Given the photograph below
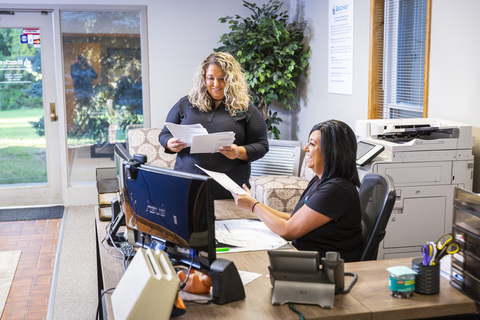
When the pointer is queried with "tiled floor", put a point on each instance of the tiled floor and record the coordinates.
(30, 291)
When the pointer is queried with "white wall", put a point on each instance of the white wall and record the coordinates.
(455, 61)
(455, 67)
(454, 89)
(319, 105)
(182, 32)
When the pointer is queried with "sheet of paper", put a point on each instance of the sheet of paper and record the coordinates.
(212, 142)
(224, 181)
(246, 235)
(185, 132)
(248, 277)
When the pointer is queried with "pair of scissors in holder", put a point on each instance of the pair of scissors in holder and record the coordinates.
(445, 245)
(428, 254)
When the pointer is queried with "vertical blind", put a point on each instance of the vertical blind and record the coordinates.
(402, 59)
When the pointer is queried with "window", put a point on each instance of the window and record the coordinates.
(399, 53)
(103, 65)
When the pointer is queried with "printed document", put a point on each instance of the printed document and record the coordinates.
(246, 235)
(224, 181)
(198, 139)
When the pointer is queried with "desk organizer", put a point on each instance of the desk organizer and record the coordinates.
(107, 188)
(427, 280)
(465, 271)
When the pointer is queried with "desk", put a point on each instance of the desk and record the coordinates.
(369, 298)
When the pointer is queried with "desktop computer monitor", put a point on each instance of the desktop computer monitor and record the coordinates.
(168, 210)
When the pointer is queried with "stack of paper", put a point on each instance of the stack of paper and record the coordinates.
(198, 139)
(246, 235)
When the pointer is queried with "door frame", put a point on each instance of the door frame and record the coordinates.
(86, 193)
(49, 193)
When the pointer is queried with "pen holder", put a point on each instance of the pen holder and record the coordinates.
(427, 280)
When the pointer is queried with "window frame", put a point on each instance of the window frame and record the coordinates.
(375, 107)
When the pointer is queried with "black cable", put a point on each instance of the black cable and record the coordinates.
(100, 302)
(299, 314)
(188, 275)
(350, 286)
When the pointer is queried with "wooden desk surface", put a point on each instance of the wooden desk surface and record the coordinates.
(372, 291)
(369, 298)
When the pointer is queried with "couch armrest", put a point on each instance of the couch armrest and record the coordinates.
(278, 192)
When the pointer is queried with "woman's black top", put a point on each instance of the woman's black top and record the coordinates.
(250, 132)
(338, 199)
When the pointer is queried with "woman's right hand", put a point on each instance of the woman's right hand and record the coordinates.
(175, 145)
(244, 201)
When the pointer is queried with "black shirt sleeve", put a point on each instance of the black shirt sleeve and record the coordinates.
(256, 142)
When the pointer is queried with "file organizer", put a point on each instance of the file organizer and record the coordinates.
(148, 289)
(465, 271)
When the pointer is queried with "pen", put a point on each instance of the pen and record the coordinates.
(222, 249)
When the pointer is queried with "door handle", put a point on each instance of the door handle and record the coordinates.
(53, 113)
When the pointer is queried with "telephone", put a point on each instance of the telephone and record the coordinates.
(296, 276)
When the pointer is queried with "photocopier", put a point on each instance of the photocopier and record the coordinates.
(426, 158)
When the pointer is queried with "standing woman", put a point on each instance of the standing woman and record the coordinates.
(327, 217)
(219, 101)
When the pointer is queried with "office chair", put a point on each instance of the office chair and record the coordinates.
(377, 197)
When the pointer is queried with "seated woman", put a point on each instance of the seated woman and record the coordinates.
(327, 216)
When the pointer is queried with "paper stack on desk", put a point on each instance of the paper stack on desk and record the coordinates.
(246, 235)
(198, 139)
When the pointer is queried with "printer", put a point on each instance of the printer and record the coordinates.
(427, 159)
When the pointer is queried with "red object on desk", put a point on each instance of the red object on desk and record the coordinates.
(195, 284)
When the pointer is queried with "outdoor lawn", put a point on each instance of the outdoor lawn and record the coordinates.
(22, 150)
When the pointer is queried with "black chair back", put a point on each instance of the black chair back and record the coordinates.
(377, 197)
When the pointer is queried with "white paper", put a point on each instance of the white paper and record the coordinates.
(246, 235)
(212, 142)
(185, 132)
(198, 139)
(224, 181)
(248, 277)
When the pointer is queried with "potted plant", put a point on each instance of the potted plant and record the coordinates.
(273, 54)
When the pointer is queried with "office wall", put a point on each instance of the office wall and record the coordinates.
(318, 104)
(455, 67)
(182, 32)
(454, 90)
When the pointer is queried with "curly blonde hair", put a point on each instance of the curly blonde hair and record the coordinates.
(236, 87)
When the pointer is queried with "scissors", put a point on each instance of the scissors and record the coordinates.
(445, 245)
(428, 254)
(444, 240)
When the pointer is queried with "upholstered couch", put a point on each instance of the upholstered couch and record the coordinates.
(281, 192)
(145, 141)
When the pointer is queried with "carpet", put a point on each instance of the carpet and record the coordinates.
(31, 213)
(8, 265)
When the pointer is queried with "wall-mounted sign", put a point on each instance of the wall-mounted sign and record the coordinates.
(340, 46)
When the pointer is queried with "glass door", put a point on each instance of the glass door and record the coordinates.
(29, 153)
(104, 95)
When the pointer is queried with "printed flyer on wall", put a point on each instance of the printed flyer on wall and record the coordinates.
(340, 46)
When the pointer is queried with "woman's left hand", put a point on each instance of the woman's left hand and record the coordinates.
(231, 152)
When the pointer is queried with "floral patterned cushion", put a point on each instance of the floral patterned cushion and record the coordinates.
(281, 192)
(145, 141)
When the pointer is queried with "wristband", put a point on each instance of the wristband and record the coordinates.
(255, 205)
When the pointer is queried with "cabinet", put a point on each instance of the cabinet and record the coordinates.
(465, 271)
